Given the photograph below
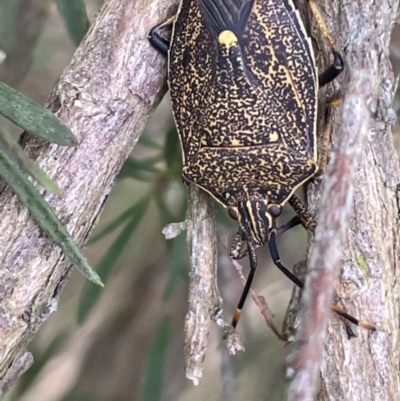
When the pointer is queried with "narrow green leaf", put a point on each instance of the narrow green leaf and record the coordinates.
(172, 152)
(148, 142)
(134, 168)
(78, 397)
(33, 117)
(91, 293)
(184, 204)
(27, 165)
(75, 17)
(180, 206)
(153, 380)
(9, 24)
(44, 215)
(165, 214)
(121, 219)
(177, 263)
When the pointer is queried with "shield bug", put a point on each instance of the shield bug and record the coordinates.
(244, 87)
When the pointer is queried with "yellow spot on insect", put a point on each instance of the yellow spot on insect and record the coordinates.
(274, 137)
(227, 38)
(236, 142)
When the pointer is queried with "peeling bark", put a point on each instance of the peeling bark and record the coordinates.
(358, 225)
(106, 94)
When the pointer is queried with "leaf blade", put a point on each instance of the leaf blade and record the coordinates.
(153, 380)
(33, 117)
(44, 215)
(91, 293)
(76, 20)
(27, 165)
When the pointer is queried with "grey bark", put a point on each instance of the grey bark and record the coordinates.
(358, 225)
(106, 94)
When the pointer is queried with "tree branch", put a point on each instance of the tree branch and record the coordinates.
(357, 234)
(106, 94)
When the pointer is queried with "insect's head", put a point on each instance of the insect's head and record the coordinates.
(256, 218)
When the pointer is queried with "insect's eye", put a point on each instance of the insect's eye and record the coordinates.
(233, 214)
(275, 211)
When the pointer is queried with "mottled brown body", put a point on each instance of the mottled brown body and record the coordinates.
(244, 88)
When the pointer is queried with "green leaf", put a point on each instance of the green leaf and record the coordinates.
(75, 17)
(133, 168)
(91, 293)
(121, 219)
(33, 117)
(27, 165)
(177, 263)
(165, 214)
(184, 204)
(44, 215)
(172, 151)
(148, 142)
(78, 397)
(153, 380)
(180, 205)
(9, 24)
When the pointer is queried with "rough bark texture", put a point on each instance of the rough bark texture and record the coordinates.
(105, 96)
(357, 231)
(204, 298)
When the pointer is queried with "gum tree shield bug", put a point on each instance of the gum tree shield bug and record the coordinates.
(244, 87)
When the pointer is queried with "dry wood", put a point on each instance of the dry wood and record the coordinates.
(105, 95)
(357, 231)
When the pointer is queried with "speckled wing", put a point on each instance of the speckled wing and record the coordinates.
(245, 173)
(190, 65)
(282, 65)
(242, 76)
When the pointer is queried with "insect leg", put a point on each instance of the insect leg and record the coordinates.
(305, 217)
(237, 250)
(336, 308)
(295, 221)
(157, 41)
(277, 261)
(332, 71)
(253, 267)
(337, 66)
